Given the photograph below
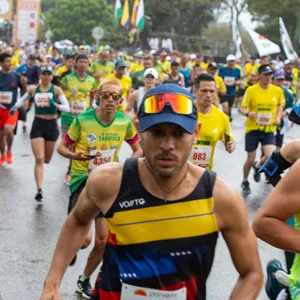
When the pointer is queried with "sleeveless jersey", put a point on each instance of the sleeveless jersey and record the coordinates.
(42, 101)
(158, 246)
(176, 81)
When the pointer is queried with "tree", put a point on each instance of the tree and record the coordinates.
(269, 11)
(75, 20)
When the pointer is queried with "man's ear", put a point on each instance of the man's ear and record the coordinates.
(121, 101)
(196, 133)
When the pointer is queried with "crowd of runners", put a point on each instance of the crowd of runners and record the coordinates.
(157, 216)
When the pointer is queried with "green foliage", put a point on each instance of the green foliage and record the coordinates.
(269, 12)
(75, 20)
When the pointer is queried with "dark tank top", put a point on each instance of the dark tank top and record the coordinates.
(153, 244)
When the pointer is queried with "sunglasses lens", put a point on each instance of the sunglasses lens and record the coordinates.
(106, 95)
(180, 104)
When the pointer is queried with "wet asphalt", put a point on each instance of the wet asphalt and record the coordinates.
(28, 231)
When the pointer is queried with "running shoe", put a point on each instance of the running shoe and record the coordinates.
(67, 179)
(2, 160)
(246, 187)
(9, 158)
(39, 195)
(273, 287)
(256, 175)
(84, 288)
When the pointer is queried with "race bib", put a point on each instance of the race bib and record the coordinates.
(131, 292)
(6, 97)
(105, 156)
(228, 80)
(264, 119)
(42, 100)
(77, 107)
(200, 156)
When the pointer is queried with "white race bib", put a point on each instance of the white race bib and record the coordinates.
(229, 80)
(42, 100)
(106, 156)
(200, 156)
(264, 119)
(131, 292)
(6, 97)
(77, 107)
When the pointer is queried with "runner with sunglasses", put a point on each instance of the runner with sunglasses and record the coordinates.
(262, 105)
(98, 135)
(164, 215)
(48, 99)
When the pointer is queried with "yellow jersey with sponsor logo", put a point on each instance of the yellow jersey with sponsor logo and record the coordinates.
(265, 104)
(213, 128)
(97, 139)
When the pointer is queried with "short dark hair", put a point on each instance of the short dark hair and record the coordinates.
(69, 56)
(175, 64)
(203, 77)
(81, 56)
(3, 56)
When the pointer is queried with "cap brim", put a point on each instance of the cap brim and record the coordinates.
(147, 121)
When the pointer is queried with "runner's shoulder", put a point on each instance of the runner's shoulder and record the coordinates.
(104, 183)
(122, 117)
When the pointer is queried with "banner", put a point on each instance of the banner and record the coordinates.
(6, 7)
(140, 18)
(286, 42)
(118, 11)
(236, 38)
(125, 16)
(263, 45)
(27, 20)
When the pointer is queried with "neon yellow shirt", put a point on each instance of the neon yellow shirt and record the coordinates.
(265, 104)
(60, 70)
(125, 82)
(136, 67)
(94, 138)
(98, 67)
(166, 65)
(78, 94)
(213, 127)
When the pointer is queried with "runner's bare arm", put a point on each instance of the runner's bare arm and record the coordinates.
(283, 203)
(233, 222)
(132, 101)
(137, 150)
(291, 151)
(97, 195)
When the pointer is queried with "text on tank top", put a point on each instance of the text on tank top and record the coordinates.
(156, 244)
(42, 101)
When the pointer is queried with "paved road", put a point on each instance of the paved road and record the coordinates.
(28, 232)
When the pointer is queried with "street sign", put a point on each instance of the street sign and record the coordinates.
(98, 33)
(48, 34)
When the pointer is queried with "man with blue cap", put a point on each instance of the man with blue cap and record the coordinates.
(164, 215)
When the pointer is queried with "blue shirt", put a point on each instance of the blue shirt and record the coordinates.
(9, 84)
(187, 75)
(30, 72)
(230, 76)
(289, 98)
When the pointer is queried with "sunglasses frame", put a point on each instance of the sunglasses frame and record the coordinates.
(110, 95)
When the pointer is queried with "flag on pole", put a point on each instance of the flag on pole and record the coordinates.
(140, 18)
(118, 11)
(125, 16)
(286, 42)
(236, 38)
(134, 12)
(263, 45)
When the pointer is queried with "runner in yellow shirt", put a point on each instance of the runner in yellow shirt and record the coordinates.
(249, 69)
(138, 64)
(221, 87)
(119, 75)
(103, 67)
(215, 125)
(262, 105)
(164, 62)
